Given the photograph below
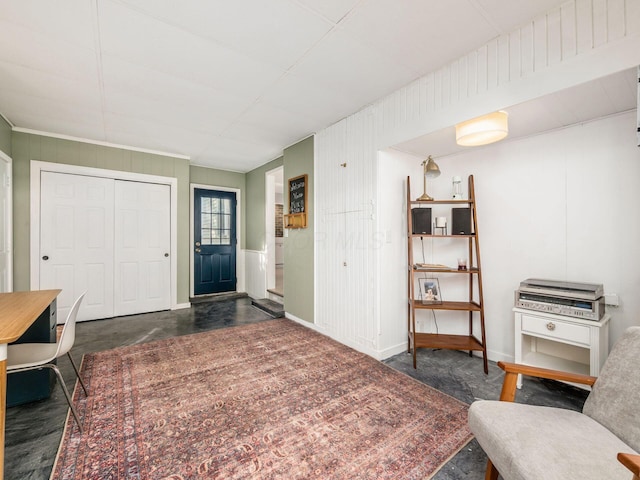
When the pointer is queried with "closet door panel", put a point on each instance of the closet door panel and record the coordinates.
(142, 246)
(76, 242)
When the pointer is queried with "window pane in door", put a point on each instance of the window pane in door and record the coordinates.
(215, 221)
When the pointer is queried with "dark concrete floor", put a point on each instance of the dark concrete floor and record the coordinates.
(33, 431)
(462, 377)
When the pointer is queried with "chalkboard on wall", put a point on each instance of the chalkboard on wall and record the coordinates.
(298, 194)
(297, 216)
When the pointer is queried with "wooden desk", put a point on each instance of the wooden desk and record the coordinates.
(18, 311)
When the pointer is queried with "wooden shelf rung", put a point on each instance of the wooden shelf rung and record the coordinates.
(458, 306)
(450, 342)
(441, 202)
(443, 270)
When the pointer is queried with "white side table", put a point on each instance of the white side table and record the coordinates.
(559, 342)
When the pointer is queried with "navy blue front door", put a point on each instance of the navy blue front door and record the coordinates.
(214, 249)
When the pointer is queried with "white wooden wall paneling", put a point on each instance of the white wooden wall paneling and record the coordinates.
(256, 274)
(575, 28)
(346, 232)
(345, 301)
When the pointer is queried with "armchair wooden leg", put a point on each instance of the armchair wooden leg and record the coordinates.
(492, 472)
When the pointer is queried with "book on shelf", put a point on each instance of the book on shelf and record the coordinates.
(432, 266)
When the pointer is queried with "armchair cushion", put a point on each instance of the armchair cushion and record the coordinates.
(614, 400)
(533, 442)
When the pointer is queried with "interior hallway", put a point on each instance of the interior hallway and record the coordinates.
(33, 431)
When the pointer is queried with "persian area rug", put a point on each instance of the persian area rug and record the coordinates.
(272, 400)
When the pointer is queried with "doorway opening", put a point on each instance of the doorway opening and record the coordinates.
(274, 234)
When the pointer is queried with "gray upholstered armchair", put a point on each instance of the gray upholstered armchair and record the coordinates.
(533, 442)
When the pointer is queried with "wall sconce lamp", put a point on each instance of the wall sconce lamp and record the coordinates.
(483, 130)
(431, 170)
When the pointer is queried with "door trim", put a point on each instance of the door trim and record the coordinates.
(9, 219)
(37, 167)
(240, 286)
(269, 221)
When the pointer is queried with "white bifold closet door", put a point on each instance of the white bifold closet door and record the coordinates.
(142, 234)
(108, 237)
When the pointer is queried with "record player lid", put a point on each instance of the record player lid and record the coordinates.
(561, 285)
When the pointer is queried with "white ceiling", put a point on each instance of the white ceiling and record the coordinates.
(229, 83)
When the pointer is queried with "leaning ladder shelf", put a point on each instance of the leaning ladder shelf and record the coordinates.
(473, 304)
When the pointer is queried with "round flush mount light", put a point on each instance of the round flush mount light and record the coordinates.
(483, 130)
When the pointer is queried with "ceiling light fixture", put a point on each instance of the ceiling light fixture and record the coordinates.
(483, 130)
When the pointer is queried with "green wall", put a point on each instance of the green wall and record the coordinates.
(256, 208)
(224, 178)
(298, 243)
(26, 147)
(5, 136)
(297, 160)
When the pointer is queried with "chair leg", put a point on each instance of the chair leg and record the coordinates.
(491, 473)
(66, 394)
(86, 392)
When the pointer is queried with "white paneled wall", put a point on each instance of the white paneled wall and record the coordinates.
(559, 44)
(346, 237)
(255, 265)
(580, 41)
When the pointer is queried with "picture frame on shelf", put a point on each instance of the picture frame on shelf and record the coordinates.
(430, 291)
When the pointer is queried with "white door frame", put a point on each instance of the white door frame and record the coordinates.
(8, 219)
(240, 285)
(37, 167)
(270, 223)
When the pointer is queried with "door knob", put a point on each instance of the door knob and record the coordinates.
(46, 257)
(197, 244)
(197, 250)
(166, 254)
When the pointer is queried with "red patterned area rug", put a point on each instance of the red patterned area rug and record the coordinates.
(272, 400)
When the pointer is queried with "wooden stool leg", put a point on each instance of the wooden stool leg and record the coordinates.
(491, 473)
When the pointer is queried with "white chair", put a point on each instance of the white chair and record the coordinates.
(36, 356)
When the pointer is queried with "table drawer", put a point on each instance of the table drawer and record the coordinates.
(569, 332)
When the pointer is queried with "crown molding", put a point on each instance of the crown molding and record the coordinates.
(98, 142)
(7, 120)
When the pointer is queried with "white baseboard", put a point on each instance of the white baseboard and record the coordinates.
(180, 306)
(310, 325)
(360, 348)
(391, 351)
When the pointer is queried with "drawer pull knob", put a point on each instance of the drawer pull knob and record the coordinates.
(551, 326)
